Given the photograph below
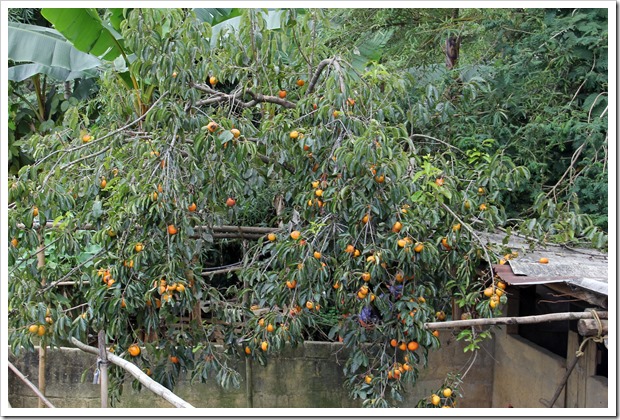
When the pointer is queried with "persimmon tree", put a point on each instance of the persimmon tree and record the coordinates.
(256, 142)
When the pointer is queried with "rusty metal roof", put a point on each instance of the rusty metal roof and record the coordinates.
(580, 268)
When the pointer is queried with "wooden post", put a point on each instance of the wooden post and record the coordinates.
(102, 363)
(30, 385)
(137, 373)
(42, 344)
(249, 386)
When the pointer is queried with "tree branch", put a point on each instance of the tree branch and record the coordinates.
(257, 98)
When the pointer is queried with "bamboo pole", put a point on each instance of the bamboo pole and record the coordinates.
(103, 368)
(249, 385)
(135, 371)
(30, 385)
(534, 319)
(42, 347)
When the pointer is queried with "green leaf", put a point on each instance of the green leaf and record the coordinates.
(85, 30)
(48, 52)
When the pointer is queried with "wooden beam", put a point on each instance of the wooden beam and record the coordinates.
(30, 385)
(534, 319)
(589, 327)
(149, 383)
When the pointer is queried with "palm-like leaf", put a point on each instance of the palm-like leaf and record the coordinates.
(47, 52)
(85, 30)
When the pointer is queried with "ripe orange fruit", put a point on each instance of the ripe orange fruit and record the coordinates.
(35, 211)
(482, 207)
(212, 126)
(154, 196)
(380, 179)
(350, 101)
(14, 242)
(418, 247)
(317, 254)
(368, 379)
(270, 328)
(402, 346)
(349, 249)
(103, 182)
(192, 207)
(123, 303)
(436, 333)
(172, 230)
(399, 276)
(261, 322)
(336, 285)
(236, 133)
(456, 228)
(366, 276)
(230, 202)
(441, 315)
(213, 80)
(294, 134)
(86, 138)
(445, 244)
(397, 227)
(264, 345)
(447, 392)
(174, 74)
(41, 331)
(300, 83)
(365, 218)
(139, 247)
(493, 304)
(111, 282)
(271, 237)
(336, 114)
(295, 235)
(435, 399)
(282, 94)
(393, 342)
(543, 260)
(357, 253)
(412, 346)
(291, 284)
(318, 193)
(248, 350)
(309, 305)
(134, 350)
(501, 284)
(33, 329)
(488, 292)
(439, 182)
(361, 295)
(480, 191)
(174, 359)
(402, 243)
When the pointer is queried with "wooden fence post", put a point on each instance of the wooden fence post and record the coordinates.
(102, 365)
(42, 344)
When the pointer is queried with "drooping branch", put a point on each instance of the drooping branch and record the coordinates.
(319, 69)
(134, 370)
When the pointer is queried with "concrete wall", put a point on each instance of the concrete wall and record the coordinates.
(308, 376)
(524, 372)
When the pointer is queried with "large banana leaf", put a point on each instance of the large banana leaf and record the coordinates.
(85, 30)
(47, 51)
(24, 71)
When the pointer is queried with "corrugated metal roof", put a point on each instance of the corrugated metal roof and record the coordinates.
(582, 268)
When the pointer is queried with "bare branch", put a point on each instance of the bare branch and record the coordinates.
(30, 385)
(319, 69)
(257, 98)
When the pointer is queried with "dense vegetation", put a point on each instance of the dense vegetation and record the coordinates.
(363, 171)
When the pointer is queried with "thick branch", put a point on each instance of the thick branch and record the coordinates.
(511, 320)
(225, 97)
(149, 383)
(319, 69)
